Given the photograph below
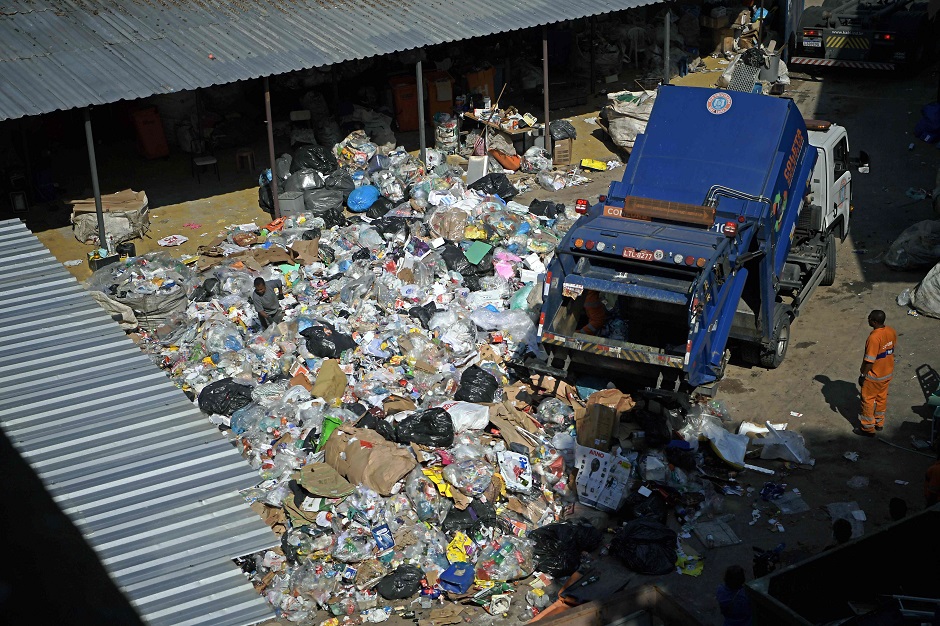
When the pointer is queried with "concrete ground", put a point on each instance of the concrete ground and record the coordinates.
(818, 377)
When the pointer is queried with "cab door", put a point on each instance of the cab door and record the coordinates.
(840, 192)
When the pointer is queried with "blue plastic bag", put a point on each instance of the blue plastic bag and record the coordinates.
(362, 198)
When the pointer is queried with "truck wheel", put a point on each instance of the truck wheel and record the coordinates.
(829, 274)
(771, 357)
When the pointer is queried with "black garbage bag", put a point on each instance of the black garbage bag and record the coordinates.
(282, 166)
(652, 507)
(457, 261)
(402, 583)
(431, 427)
(477, 385)
(207, 290)
(646, 547)
(478, 514)
(311, 234)
(323, 341)
(381, 426)
(322, 201)
(423, 313)
(546, 208)
(362, 254)
(340, 180)
(379, 208)
(495, 184)
(334, 217)
(302, 180)
(315, 158)
(224, 397)
(558, 547)
(562, 129)
(393, 228)
(266, 198)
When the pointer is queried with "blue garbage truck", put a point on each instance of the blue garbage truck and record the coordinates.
(726, 220)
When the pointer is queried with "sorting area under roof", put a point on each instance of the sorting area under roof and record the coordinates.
(61, 54)
(148, 481)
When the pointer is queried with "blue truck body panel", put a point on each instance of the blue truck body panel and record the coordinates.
(756, 149)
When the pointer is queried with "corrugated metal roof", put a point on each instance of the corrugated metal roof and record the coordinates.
(60, 54)
(150, 484)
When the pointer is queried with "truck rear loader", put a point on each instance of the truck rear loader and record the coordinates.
(725, 222)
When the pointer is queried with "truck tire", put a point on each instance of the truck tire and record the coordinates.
(771, 357)
(829, 274)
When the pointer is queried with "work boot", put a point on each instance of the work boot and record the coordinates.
(864, 433)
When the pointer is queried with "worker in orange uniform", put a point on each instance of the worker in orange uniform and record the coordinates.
(877, 370)
(596, 313)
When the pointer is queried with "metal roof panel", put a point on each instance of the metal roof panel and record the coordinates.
(148, 481)
(59, 54)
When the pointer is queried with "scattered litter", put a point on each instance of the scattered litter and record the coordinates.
(793, 414)
(915, 193)
(172, 240)
(847, 511)
(901, 482)
(715, 534)
(791, 503)
(73, 263)
(192, 225)
(851, 456)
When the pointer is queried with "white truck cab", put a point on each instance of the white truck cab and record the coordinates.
(831, 185)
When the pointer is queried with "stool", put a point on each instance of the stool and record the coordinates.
(245, 157)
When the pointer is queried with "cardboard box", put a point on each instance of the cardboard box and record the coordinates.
(562, 151)
(596, 426)
(596, 423)
(603, 479)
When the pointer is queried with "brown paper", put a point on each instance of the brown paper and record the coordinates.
(302, 380)
(397, 404)
(363, 456)
(331, 381)
(306, 251)
(597, 422)
(322, 480)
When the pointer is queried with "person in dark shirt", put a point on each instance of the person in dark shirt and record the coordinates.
(265, 298)
(732, 598)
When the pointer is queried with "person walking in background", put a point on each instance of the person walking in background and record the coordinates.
(732, 598)
(877, 370)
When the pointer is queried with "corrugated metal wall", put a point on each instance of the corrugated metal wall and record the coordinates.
(151, 485)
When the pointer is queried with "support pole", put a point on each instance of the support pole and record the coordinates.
(96, 190)
(548, 134)
(666, 42)
(593, 88)
(422, 139)
(271, 156)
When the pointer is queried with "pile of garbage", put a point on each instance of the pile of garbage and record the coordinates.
(404, 455)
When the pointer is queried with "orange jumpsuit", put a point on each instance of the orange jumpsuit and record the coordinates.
(879, 351)
(596, 313)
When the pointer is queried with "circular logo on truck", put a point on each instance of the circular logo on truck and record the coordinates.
(718, 103)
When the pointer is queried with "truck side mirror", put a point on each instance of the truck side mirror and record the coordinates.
(862, 162)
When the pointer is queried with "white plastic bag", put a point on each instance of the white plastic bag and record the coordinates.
(467, 415)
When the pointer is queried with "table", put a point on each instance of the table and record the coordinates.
(518, 134)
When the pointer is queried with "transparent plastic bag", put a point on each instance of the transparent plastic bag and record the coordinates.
(429, 504)
(471, 477)
(508, 558)
(354, 545)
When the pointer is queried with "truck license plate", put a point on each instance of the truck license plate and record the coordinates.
(639, 255)
(571, 290)
(812, 43)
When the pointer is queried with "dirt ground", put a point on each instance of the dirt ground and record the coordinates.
(817, 380)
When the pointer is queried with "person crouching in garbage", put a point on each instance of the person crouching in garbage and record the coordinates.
(265, 297)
